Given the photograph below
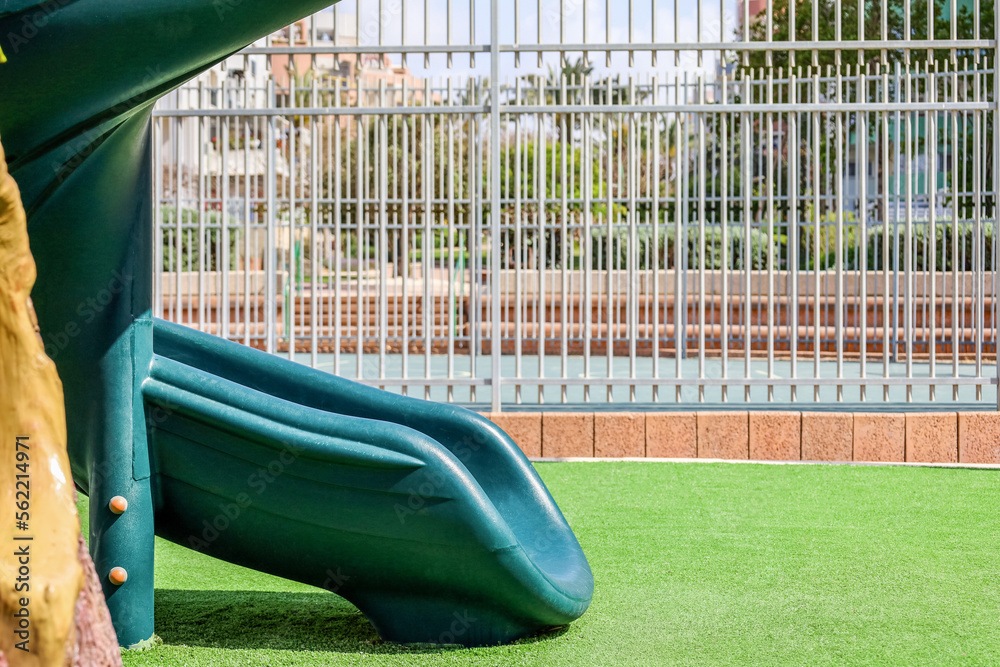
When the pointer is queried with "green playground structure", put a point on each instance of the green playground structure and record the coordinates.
(426, 516)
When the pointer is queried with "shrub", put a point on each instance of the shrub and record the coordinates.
(944, 234)
(666, 250)
(190, 247)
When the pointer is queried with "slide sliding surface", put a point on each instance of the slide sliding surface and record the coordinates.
(424, 515)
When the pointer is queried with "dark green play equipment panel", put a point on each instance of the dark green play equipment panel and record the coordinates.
(424, 515)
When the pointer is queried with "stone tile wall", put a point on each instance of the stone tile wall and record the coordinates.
(919, 437)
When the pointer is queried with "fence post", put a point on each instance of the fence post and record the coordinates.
(494, 146)
(271, 260)
(996, 184)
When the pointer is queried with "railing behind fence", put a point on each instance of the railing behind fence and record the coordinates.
(754, 215)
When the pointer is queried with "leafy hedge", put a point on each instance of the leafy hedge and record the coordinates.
(664, 255)
(942, 250)
(807, 258)
(691, 251)
(190, 246)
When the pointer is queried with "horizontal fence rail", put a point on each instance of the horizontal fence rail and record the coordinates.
(798, 206)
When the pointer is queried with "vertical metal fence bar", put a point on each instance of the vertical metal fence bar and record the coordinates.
(897, 189)
(930, 157)
(815, 31)
(698, 31)
(861, 94)
(539, 17)
(291, 243)
(908, 248)
(158, 164)
(587, 188)
(407, 166)
(680, 301)
(382, 175)
(816, 232)
(516, 270)
(747, 185)
(427, 238)
(839, 299)
(702, 177)
(337, 197)
(612, 243)
(771, 247)
(745, 24)
(979, 258)
(564, 243)
(495, 371)
(361, 245)
(654, 189)
(631, 32)
(271, 258)
(631, 291)
(996, 193)
(315, 320)
(449, 318)
(677, 20)
(884, 195)
(724, 119)
(202, 186)
(769, 32)
(538, 229)
(956, 208)
(793, 232)
(476, 200)
(223, 234)
(175, 303)
(247, 188)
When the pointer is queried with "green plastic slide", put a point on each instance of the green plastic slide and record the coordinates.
(426, 516)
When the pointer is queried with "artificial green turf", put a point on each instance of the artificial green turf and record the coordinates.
(713, 564)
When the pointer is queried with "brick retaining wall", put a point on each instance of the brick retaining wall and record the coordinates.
(919, 437)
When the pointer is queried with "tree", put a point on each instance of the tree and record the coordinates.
(68, 618)
(425, 157)
(872, 19)
(846, 61)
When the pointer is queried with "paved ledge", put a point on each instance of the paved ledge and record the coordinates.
(963, 439)
(877, 464)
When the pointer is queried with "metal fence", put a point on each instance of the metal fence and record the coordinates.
(683, 203)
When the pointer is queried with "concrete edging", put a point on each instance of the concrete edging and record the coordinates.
(938, 438)
(872, 464)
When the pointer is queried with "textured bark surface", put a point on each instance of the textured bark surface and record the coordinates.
(96, 643)
(48, 572)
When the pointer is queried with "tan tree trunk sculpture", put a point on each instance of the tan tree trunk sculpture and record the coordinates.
(52, 610)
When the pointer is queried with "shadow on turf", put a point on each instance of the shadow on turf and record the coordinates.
(278, 621)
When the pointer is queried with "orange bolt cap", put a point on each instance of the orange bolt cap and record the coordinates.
(118, 576)
(118, 504)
